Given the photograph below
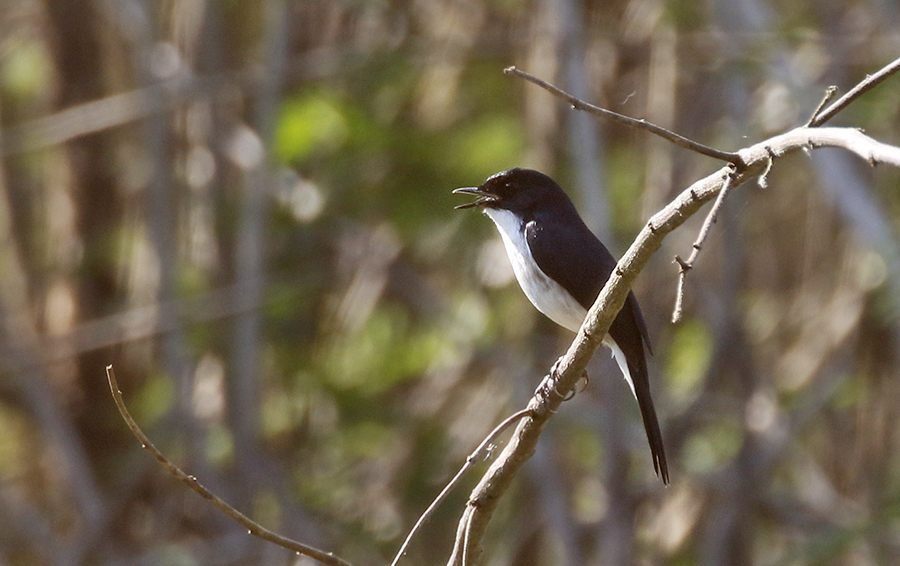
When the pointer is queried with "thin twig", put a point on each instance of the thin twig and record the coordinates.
(252, 526)
(686, 265)
(470, 461)
(829, 94)
(465, 548)
(860, 89)
(641, 124)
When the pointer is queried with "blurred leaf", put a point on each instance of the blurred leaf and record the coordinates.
(220, 444)
(625, 184)
(26, 71)
(14, 439)
(711, 447)
(487, 146)
(688, 359)
(310, 123)
(383, 352)
(365, 439)
(154, 400)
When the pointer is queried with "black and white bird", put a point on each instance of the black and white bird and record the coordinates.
(561, 266)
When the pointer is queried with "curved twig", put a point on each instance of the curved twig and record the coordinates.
(641, 124)
(252, 526)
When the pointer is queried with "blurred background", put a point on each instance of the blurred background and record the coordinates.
(245, 208)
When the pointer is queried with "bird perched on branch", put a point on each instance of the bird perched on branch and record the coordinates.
(561, 266)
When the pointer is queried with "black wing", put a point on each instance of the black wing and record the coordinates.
(571, 255)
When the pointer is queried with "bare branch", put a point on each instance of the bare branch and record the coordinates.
(860, 89)
(851, 139)
(640, 124)
(104, 113)
(252, 526)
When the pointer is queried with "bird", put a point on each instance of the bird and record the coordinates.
(562, 267)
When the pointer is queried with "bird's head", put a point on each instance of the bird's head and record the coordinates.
(516, 190)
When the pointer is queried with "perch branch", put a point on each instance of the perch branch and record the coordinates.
(252, 526)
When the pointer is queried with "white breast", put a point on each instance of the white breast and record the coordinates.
(545, 294)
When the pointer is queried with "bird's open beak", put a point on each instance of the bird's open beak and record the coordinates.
(484, 198)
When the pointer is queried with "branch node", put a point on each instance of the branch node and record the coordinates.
(683, 266)
(763, 179)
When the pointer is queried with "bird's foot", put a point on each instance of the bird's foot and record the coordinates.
(549, 384)
(547, 388)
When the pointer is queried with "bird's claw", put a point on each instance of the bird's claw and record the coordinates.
(548, 384)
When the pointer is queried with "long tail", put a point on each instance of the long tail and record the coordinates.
(634, 368)
(638, 370)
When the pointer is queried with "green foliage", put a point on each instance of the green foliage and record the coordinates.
(14, 439)
(26, 71)
(712, 446)
(688, 359)
(155, 399)
(625, 186)
(220, 445)
(385, 351)
(311, 124)
(485, 146)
